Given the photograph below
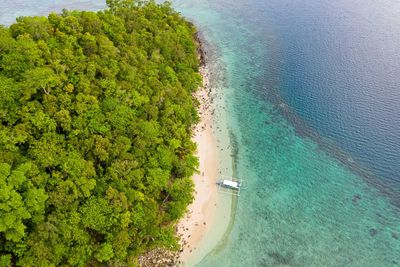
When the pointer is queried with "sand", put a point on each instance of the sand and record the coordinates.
(208, 215)
(205, 224)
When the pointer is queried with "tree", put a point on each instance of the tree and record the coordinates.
(96, 112)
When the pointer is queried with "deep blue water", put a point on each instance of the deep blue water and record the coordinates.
(312, 92)
(337, 65)
(341, 74)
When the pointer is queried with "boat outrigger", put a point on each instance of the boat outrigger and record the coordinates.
(229, 185)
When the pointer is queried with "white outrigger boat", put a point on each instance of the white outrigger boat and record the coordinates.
(230, 185)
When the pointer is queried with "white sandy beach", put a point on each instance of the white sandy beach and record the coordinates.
(208, 215)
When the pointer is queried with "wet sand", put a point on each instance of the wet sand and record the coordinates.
(208, 215)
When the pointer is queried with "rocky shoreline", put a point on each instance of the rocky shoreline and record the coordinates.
(159, 257)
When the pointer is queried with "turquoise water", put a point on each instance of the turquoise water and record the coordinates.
(304, 206)
(11, 9)
(316, 195)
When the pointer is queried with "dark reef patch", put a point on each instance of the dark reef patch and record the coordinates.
(280, 258)
(373, 232)
(356, 198)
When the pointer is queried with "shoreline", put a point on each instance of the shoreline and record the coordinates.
(200, 215)
(208, 217)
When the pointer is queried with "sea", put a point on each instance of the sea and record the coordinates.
(311, 93)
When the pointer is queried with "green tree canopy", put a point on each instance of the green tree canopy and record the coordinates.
(96, 113)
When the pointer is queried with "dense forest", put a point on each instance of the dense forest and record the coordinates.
(96, 114)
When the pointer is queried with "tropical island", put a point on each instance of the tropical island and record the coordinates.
(97, 112)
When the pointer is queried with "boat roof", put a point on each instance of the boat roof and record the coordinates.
(230, 183)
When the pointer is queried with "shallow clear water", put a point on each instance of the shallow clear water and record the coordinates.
(311, 90)
(312, 200)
